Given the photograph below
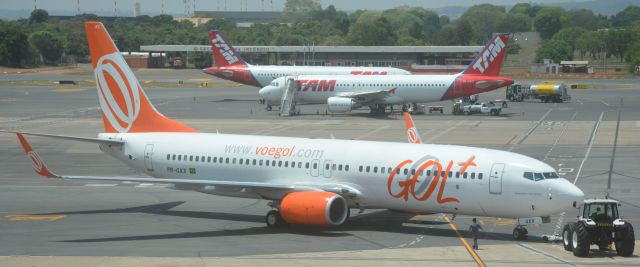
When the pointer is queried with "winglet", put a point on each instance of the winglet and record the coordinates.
(412, 133)
(38, 164)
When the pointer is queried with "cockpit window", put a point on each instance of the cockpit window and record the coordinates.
(538, 176)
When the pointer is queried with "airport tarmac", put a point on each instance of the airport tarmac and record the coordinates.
(49, 222)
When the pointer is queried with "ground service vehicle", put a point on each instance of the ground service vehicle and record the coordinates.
(482, 108)
(556, 93)
(600, 224)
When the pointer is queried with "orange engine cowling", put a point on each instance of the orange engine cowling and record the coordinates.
(315, 208)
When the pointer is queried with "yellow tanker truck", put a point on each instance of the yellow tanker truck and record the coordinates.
(546, 92)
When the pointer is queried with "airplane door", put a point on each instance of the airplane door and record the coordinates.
(148, 157)
(315, 167)
(327, 169)
(495, 178)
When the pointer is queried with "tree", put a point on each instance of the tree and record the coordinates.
(517, 22)
(590, 42)
(556, 50)
(548, 21)
(49, 46)
(633, 56)
(586, 19)
(485, 19)
(14, 46)
(377, 32)
(38, 16)
(462, 29)
(627, 16)
(569, 35)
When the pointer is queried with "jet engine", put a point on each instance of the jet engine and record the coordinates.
(314, 208)
(341, 104)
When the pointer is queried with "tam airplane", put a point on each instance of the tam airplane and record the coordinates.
(308, 181)
(229, 66)
(344, 93)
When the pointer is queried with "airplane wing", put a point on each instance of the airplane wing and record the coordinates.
(41, 168)
(67, 137)
(412, 132)
(370, 96)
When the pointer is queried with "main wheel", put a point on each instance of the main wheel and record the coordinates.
(567, 231)
(581, 240)
(274, 220)
(520, 233)
(625, 241)
(269, 108)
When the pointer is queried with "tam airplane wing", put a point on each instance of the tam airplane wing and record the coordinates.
(42, 169)
(369, 96)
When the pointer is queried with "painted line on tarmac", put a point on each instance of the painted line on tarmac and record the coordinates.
(542, 253)
(591, 140)
(530, 131)
(472, 252)
(33, 218)
(430, 140)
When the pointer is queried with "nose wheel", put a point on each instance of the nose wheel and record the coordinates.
(520, 233)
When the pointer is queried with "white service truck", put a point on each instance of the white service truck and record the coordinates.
(482, 108)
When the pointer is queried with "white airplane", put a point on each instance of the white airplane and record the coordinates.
(343, 93)
(309, 181)
(229, 66)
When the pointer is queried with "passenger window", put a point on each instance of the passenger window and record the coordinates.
(360, 168)
(233, 161)
(428, 172)
(247, 161)
(389, 170)
(299, 165)
(326, 166)
(406, 171)
(382, 170)
(346, 168)
(464, 175)
(375, 169)
(473, 175)
(266, 163)
(413, 171)
(260, 162)
(480, 176)
(286, 164)
(451, 174)
(173, 157)
(315, 166)
(179, 157)
(306, 165)
(254, 162)
(168, 157)
(528, 175)
(368, 168)
(442, 174)
(209, 159)
(457, 174)
(226, 160)
(279, 163)
(197, 158)
(190, 158)
(340, 167)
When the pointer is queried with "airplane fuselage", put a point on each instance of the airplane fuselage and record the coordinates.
(261, 76)
(397, 176)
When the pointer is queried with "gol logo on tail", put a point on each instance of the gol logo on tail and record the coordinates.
(408, 186)
(119, 92)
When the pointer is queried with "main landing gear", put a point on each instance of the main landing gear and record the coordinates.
(520, 233)
(274, 220)
(269, 108)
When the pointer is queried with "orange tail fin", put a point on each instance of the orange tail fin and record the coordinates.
(125, 106)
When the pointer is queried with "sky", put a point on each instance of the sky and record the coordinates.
(178, 6)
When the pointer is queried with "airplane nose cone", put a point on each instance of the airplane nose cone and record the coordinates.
(265, 92)
(572, 194)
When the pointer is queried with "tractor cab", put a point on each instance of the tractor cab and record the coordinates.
(601, 211)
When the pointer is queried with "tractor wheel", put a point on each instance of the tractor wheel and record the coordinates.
(581, 240)
(625, 241)
(567, 231)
